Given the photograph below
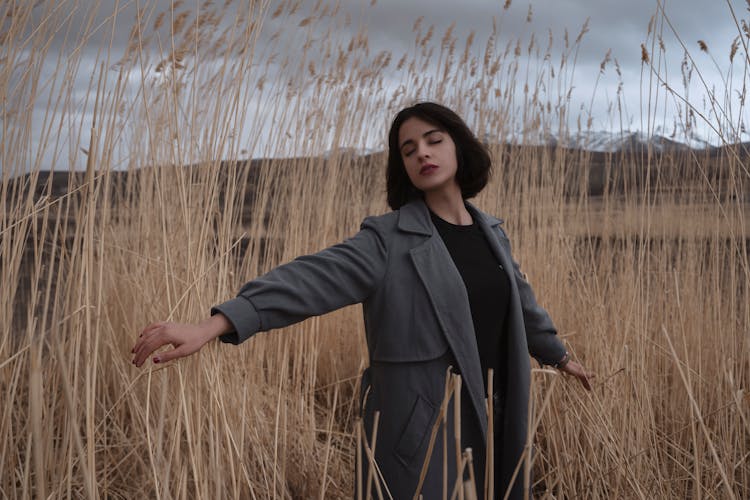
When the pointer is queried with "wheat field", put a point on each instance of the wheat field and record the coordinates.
(647, 276)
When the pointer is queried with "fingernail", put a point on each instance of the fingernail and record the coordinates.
(157, 360)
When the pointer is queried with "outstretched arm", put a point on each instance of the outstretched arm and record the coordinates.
(311, 285)
(541, 334)
(544, 344)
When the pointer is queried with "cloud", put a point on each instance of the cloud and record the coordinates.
(619, 27)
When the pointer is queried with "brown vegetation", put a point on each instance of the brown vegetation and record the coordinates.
(641, 258)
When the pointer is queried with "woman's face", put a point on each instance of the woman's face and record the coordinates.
(429, 155)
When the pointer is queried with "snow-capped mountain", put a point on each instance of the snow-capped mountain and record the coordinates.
(608, 142)
(595, 141)
(630, 141)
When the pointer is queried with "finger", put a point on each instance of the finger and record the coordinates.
(137, 348)
(165, 356)
(144, 342)
(151, 328)
(145, 334)
(586, 383)
(148, 346)
(158, 337)
(143, 338)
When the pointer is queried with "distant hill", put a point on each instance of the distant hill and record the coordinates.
(600, 162)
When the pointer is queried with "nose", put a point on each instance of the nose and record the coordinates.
(422, 151)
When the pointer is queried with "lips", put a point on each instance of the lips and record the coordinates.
(427, 168)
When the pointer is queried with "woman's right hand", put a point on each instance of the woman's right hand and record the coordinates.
(185, 338)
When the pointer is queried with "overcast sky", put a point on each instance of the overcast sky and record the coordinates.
(617, 27)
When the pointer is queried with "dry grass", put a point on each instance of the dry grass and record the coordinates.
(649, 283)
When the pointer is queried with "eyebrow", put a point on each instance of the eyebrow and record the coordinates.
(410, 141)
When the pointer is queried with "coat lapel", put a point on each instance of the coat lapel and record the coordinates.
(489, 224)
(449, 300)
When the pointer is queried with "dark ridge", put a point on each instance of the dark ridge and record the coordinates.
(633, 168)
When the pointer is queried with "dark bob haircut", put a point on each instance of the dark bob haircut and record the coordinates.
(472, 158)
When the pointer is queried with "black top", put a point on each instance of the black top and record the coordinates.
(488, 289)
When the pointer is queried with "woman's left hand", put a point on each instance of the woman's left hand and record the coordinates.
(579, 372)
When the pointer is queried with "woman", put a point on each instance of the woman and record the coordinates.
(439, 289)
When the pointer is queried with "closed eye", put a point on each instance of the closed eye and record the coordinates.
(434, 136)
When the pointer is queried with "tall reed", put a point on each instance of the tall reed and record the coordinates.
(647, 279)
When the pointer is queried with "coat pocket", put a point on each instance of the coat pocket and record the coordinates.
(415, 431)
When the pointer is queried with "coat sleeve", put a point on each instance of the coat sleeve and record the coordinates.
(310, 285)
(541, 335)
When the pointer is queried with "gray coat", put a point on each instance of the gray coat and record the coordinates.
(417, 322)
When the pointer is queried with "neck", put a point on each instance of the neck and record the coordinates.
(449, 206)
